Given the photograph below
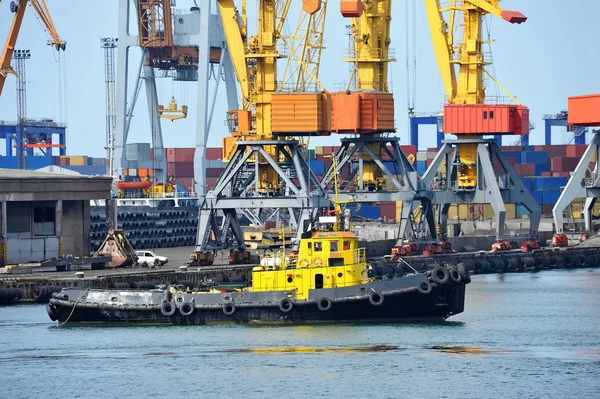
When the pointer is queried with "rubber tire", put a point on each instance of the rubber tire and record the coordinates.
(455, 275)
(52, 312)
(373, 298)
(424, 287)
(440, 279)
(464, 273)
(328, 304)
(37, 293)
(168, 305)
(231, 308)
(186, 312)
(285, 305)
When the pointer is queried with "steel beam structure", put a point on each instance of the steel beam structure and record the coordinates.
(109, 45)
(239, 189)
(490, 189)
(368, 153)
(203, 30)
(582, 184)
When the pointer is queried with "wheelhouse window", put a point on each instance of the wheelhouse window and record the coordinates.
(333, 245)
(346, 245)
(318, 246)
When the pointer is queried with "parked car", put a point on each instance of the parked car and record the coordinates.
(149, 258)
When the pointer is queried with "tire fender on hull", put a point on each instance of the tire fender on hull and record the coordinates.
(168, 309)
(376, 298)
(285, 305)
(324, 304)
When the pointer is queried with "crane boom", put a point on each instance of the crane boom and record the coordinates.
(13, 33)
(468, 87)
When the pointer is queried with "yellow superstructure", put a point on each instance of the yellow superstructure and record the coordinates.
(328, 259)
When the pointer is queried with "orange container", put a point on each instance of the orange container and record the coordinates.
(376, 112)
(362, 112)
(311, 6)
(351, 8)
(345, 112)
(486, 119)
(584, 110)
(302, 114)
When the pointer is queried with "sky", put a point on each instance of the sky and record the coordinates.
(553, 55)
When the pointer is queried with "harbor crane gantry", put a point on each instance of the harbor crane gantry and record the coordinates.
(186, 46)
(584, 111)
(462, 171)
(364, 112)
(18, 9)
(265, 166)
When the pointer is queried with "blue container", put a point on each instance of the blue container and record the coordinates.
(421, 167)
(38, 162)
(317, 167)
(10, 162)
(369, 211)
(549, 183)
(550, 197)
(540, 168)
(529, 182)
(513, 154)
(534, 157)
(392, 167)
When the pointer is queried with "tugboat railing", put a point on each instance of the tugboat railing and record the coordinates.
(280, 260)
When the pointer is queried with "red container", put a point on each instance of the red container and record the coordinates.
(510, 148)
(186, 182)
(214, 172)
(512, 161)
(387, 210)
(181, 169)
(563, 164)
(170, 154)
(184, 154)
(486, 119)
(575, 150)
(546, 174)
(547, 209)
(409, 149)
(213, 154)
(525, 169)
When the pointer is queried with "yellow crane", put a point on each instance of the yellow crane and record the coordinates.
(18, 9)
(265, 168)
(466, 87)
(468, 174)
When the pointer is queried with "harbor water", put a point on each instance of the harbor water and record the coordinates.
(528, 335)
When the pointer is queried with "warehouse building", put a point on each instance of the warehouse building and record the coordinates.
(46, 215)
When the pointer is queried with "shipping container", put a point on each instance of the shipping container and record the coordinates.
(362, 112)
(564, 164)
(38, 162)
(548, 183)
(522, 212)
(186, 182)
(351, 8)
(550, 197)
(540, 168)
(211, 181)
(80, 160)
(583, 110)
(137, 151)
(575, 150)
(537, 196)
(301, 113)
(369, 211)
(421, 167)
(534, 157)
(213, 153)
(317, 167)
(525, 169)
(180, 169)
(387, 210)
(214, 172)
(486, 119)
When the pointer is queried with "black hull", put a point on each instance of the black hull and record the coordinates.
(408, 305)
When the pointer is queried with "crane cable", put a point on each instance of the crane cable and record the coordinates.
(411, 57)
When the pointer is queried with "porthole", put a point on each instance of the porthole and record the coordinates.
(340, 274)
(290, 279)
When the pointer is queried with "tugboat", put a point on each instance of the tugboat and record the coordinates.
(328, 280)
